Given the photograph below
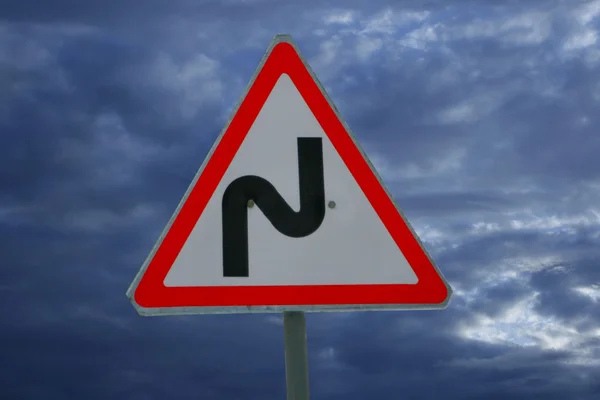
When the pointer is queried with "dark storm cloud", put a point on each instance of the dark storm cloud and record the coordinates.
(477, 255)
(495, 299)
(557, 294)
(54, 160)
(432, 203)
(128, 10)
(108, 109)
(533, 125)
(61, 182)
(401, 354)
(94, 357)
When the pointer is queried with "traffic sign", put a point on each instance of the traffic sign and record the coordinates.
(286, 214)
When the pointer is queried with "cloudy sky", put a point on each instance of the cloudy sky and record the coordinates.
(481, 116)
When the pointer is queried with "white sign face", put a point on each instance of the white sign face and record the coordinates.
(352, 246)
(286, 214)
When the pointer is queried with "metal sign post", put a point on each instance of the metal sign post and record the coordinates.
(296, 355)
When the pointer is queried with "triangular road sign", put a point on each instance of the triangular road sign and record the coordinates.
(286, 213)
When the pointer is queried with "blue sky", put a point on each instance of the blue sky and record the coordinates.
(482, 118)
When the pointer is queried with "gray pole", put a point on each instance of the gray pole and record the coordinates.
(296, 355)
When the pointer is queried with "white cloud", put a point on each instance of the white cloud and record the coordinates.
(592, 292)
(367, 35)
(521, 325)
(485, 227)
(420, 38)
(447, 162)
(196, 79)
(587, 12)
(460, 113)
(583, 38)
(522, 29)
(366, 46)
(567, 223)
(342, 17)
(382, 23)
(430, 234)
(478, 105)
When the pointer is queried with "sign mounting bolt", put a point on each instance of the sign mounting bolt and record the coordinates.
(250, 203)
(331, 204)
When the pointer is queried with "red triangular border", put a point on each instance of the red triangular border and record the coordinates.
(151, 291)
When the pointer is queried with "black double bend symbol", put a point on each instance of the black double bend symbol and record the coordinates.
(283, 218)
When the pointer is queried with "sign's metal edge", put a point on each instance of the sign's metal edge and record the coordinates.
(175, 311)
(171, 311)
